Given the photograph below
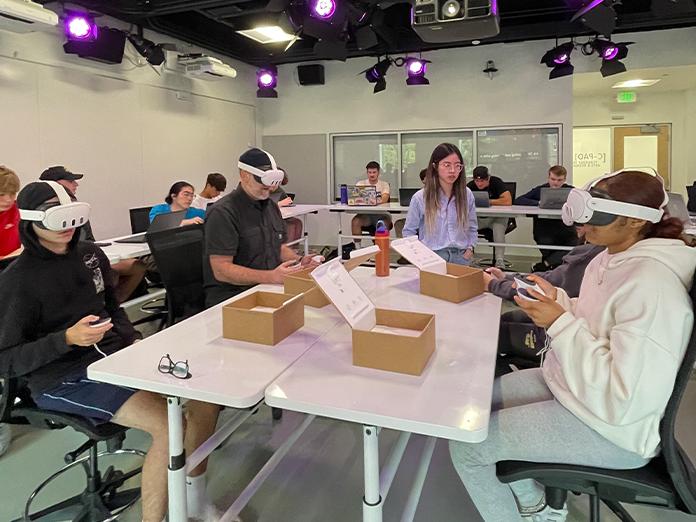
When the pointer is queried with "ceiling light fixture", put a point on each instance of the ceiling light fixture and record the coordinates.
(152, 52)
(377, 74)
(630, 84)
(611, 53)
(268, 34)
(266, 81)
(323, 9)
(558, 60)
(415, 71)
(80, 26)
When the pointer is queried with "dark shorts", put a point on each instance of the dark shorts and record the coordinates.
(78, 395)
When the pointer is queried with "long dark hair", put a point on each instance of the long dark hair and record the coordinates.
(432, 187)
(640, 188)
(175, 189)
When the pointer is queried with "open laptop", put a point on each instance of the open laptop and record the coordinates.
(160, 222)
(553, 198)
(405, 195)
(676, 207)
(481, 199)
(362, 195)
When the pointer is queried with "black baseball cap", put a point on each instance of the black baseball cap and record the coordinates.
(57, 173)
(257, 158)
(480, 172)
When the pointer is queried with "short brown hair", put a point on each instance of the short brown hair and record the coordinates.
(559, 170)
(9, 182)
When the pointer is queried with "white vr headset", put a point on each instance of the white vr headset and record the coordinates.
(271, 178)
(64, 215)
(585, 206)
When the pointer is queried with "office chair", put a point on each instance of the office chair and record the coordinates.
(487, 233)
(668, 481)
(178, 253)
(139, 219)
(691, 193)
(104, 497)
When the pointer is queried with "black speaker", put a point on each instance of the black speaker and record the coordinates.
(107, 48)
(311, 74)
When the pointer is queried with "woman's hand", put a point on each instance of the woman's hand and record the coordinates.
(469, 253)
(545, 310)
(192, 221)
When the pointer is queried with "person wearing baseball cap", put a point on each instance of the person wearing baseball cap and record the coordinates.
(245, 234)
(63, 176)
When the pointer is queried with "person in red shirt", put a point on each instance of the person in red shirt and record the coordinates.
(9, 215)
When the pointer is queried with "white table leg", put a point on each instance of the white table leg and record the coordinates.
(340, 235)
(306, 235)
(372, 501)
(176, 474)
(417, 487)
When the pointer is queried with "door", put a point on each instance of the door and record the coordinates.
(643, 146)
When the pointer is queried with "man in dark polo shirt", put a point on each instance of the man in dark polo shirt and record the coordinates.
(245, 234)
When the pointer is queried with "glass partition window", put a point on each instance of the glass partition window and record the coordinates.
(352, 153)
(416, 148)
(520, 155)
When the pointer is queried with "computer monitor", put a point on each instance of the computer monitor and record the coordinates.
(553, 198)
(481, 199)
(405, 195)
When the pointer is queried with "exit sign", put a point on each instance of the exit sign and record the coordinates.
(627, 97)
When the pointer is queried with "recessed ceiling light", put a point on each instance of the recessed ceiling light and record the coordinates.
(628, 84)
(268, 34)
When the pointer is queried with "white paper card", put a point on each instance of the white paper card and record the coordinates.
(396, 331)
(419, 255)
(345, 293)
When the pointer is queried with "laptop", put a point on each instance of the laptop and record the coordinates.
(553, 198)
(481, 198)
(159, 223)
(676, 207)
(362, 195)
(405, 195)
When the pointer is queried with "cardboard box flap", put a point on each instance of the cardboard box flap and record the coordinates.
(358, 257)
(419, 255)
(345, 293)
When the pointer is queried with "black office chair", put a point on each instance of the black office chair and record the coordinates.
(139, 219)
(691, 193)
(667, 481)
(178, 253)
(104, 497)
(487, 233)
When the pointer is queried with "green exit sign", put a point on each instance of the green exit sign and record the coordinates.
(627, 97)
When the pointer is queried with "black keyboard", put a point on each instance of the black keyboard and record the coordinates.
(137, 238)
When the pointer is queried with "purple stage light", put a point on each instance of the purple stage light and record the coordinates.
(80, 27)
(610, 52)
(266, 79)
(416, 67)
(324, 9)
(561, 59)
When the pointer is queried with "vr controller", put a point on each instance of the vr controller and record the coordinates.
(523, 286)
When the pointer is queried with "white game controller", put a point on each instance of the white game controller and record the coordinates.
(523, 289)
(100, 322)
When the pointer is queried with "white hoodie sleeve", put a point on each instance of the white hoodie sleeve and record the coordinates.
(640, 342)
(566, 302)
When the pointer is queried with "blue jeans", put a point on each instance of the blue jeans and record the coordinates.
(453, 255)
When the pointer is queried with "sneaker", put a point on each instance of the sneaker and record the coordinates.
(5, 438)
(547, 514)
(500, 263)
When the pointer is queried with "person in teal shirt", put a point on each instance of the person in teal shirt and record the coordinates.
(180, 197)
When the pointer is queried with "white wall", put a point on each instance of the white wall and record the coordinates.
(123, 126)
(676, 108)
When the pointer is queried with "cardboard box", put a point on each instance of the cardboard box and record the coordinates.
(454, 283)
(390, 340)
(301, 282)
(263, 317)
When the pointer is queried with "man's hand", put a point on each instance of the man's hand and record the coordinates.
(311, 261)
(545, 310)
(285, 202)
(82, 334)
(193, 221)
(491, 274)
(286, 268)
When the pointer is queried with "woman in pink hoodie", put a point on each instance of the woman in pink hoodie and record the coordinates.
(613, 356)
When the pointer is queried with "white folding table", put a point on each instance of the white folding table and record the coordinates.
(451, 399)
(301, 211)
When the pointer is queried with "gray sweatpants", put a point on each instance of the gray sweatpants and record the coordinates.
(498, 226)
(527, 423)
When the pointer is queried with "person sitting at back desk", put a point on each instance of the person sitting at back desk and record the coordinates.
(549, 231)
(180, 197)
(245, 234)
(366, 220)
(215, 185)
(498, 195)
(282, 199)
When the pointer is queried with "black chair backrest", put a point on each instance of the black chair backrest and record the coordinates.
(679, 465)
(178, 254)
(691, 193)
(139, 219)
(4, 263)
(512, 187)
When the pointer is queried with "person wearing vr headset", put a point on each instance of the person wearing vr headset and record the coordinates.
(614, 352)
(58, 314)
(245, 234)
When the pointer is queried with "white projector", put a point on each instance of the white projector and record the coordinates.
(455, 20)
(24, 16)
(206, 67)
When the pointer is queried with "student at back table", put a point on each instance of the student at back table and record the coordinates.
(215, 185)
(549, 231)
(180, 197)
(365, 220)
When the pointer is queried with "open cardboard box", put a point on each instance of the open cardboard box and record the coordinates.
(454, 283)
(301, 281)
(391, 340)
(263, 317)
